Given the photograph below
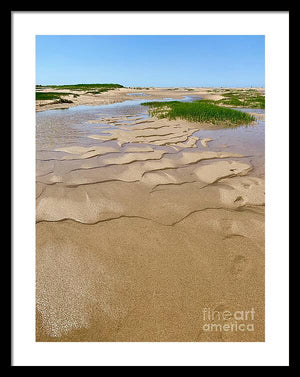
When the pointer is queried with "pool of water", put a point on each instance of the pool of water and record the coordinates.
(59, 128)
(246, 140)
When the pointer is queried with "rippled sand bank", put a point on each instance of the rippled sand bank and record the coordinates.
(142, 226)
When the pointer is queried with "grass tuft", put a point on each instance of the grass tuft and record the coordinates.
(199, 111)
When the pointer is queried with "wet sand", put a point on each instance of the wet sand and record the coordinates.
(144, 223)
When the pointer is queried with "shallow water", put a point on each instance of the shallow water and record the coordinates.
(247, 140)
(57, 128)
(60, 128)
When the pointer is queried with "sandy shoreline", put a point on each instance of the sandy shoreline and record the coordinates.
(125, 94)
(142, 227)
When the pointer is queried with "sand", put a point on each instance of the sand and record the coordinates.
(121, 94)
(142, 229)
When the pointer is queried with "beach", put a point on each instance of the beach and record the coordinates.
(144, 225)
(123, 94)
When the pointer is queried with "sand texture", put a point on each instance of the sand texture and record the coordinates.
(141, 224)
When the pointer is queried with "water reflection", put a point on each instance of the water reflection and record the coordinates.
(58, 128)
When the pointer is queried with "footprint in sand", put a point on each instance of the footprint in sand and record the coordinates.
(242, 190)
(239, 265)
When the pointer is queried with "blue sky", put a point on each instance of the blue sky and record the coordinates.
(151, 60)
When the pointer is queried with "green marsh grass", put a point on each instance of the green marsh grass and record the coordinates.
(249, 98)
(199, 111)
(50, 95)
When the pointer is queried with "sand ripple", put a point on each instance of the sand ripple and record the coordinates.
(140, 229)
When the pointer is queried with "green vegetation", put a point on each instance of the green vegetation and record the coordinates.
(249, 98)
(88, 88)
(50, 95)
(82, 87)
(199, 111)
